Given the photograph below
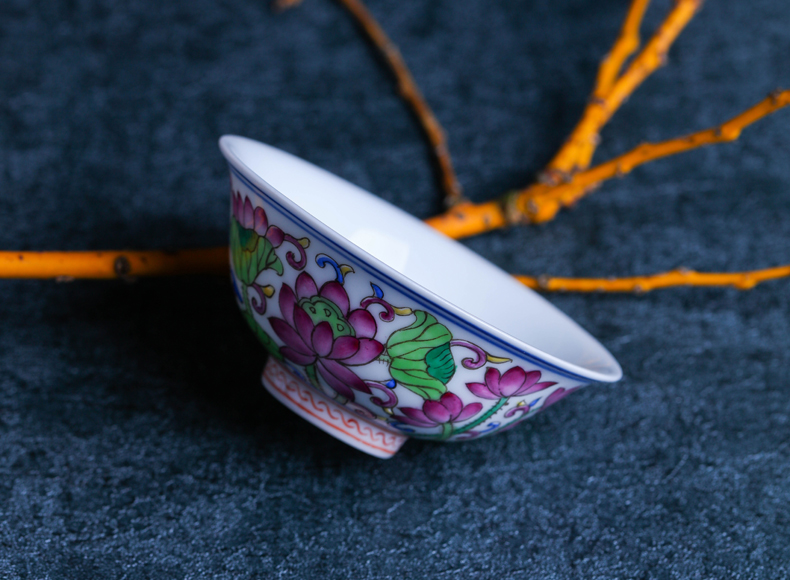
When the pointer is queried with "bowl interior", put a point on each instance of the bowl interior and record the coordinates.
(442, 267)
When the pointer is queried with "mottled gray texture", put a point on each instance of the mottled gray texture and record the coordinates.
(135, 440)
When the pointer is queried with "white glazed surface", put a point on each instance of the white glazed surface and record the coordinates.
(417, 269)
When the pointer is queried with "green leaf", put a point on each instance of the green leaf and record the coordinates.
(251, 254)
(440, 363)
(417, 380)
(421, 357)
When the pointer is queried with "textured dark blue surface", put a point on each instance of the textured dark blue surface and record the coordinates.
(135, 440)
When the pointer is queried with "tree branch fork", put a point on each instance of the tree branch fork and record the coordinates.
(566, 179)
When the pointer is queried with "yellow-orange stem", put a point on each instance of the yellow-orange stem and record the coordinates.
(536, 203)
(113, 264)
(214, 261)
(626, 44)
(639, 284)
(540, 204)
(578, 148)
(409, 92)
(468, 219)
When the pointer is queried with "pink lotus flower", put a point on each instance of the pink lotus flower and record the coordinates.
(448, 409)
(515, 382)
(255, 219)
(317, 328)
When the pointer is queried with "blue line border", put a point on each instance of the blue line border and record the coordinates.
(422, 301)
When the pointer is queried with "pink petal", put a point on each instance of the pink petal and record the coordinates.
(469, 411)
(415, 417)
(296, 356)
(532, 378)
(305, 286)
(367, 352)
(261, 224)
(535, 388)
(344, 375)
(363, 322)
(480, 390)
(289, 336)
(248, 219)
(322, 339)
(512, 380)
(334, 292)
(275, 235)
(337, 384)
(492, 381)
(452, 403)
(436, 412)
(304, 325)
(287, 302)
(345, 346)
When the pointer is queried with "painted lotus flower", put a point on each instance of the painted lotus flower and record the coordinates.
(255, 219)
(318, 329)
(515, 382)
(448, 409)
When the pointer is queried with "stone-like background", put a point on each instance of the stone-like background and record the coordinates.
(135, 440)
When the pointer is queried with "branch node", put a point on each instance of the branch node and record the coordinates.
(513, 216)
(121, 266)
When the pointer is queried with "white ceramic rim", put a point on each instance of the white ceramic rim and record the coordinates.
(565, 367)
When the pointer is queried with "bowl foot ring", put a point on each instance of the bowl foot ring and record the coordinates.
(327, 415)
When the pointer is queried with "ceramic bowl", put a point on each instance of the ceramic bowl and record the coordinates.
(378, 327)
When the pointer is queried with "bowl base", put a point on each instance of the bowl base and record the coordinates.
(327, 415)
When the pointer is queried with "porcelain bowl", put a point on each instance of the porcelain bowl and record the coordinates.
(378, 327)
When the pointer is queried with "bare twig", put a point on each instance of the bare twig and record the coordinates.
(409, 91)
(640, 284)
(66, 266)
(542, 201)
(625, 45)
(608, 72)
(543, 206)
(606, 101)
(566, 180)
(112, 264)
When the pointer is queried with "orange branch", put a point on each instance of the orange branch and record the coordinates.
(640, 284)
(409, 92)
(578, 149)
(67, 266)
(540, 206)
(625, 45)
(537, 203)
(541, 202)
